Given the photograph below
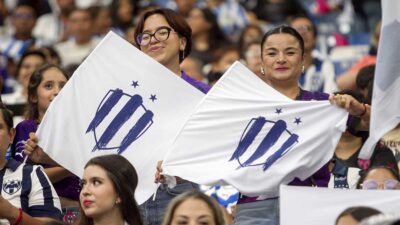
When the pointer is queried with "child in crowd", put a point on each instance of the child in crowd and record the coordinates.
(44, 85)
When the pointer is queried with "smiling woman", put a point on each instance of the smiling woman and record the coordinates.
(165, 36)
(282, 56)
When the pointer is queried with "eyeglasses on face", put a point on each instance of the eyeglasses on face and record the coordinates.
(161, 34)
(389, 184)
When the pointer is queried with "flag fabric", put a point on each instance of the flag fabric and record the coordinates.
(246, 134)
(316, 206)
(119, 101)
(385, 108)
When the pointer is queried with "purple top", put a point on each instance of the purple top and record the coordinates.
(195, 83)
(321, 177)
(67, 187)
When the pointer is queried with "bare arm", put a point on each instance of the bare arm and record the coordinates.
(12, 214)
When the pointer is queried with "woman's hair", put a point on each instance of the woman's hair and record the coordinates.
(241, 43)
(114, 7)
(125, 180)
(32, 111)
(364, 173)
(211, 203)
(283, 29)
(358, 213)
(35, 52)
(7, 116)
(176, 21)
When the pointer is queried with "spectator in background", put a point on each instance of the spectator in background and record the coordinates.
(250, 33)
(231, 17)
(29, 62)
(52, 27)
(123, 14)
(223, 57)
(80, 26)
(276, 12)
(354, 215)
(252, 57)
(102, 21)
(183, 7)
(319, 72)
(23, 20)
(347, 80)
(206, 34)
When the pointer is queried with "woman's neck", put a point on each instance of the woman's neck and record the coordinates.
(114, 217)
(290, 91)
(347, 146)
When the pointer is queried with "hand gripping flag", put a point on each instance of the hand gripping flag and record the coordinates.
(247, 134)
(385, 109)
(119, 101)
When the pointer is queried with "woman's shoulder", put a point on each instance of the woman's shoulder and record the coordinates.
(27, 125)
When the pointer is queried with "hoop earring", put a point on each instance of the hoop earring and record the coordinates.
(262, 71)
(302, 69)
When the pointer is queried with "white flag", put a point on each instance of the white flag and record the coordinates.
(247, 134)
(316, 206)
(119, 101)
(385, 111)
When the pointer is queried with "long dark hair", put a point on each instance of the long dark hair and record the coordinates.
(32, 111)
(176, 21)
(216, 35)
(283, 29)
(125, 180)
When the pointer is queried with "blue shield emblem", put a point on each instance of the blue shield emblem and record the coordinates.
(119, 110)
(263, 142)
(11, 187)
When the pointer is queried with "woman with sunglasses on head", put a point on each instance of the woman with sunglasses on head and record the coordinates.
(165, 36)
(379, 178)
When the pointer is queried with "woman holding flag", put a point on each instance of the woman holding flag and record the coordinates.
(282, 55)
(165, 36)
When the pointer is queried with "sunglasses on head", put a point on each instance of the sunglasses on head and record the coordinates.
(389, 184)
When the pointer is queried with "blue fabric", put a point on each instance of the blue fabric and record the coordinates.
(153, 210)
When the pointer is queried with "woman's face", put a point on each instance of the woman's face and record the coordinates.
(28, 66)
(193, 212)
(380, 178)
(282, 59)
(6, 137)
(98, 197)
(125, 11)
(347, 220)
(253, 58)
(165, 52)
(306, 30)
(197, 21)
